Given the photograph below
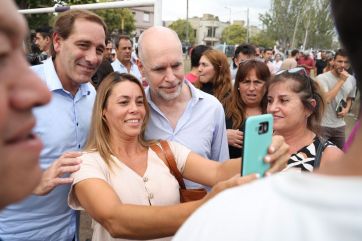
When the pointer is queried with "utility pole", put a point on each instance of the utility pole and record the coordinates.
(248, 27)
(227, 36)
(187, 21)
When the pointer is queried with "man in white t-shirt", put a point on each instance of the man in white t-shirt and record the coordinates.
(340, 88)
(291, 206)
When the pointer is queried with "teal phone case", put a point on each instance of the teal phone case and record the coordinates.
(257, 139)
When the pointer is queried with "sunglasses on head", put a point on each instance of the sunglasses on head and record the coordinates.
(298, 71)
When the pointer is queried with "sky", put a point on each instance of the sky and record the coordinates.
(225, 9)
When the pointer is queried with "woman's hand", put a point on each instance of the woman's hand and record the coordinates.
(278, 155)
(235, 138)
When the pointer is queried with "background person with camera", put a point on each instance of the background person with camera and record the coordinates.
(340, 88)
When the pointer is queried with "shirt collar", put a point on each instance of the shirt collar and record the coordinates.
(53, 80)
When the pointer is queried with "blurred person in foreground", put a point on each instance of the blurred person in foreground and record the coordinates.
(63, 125)
(20, 91)
(325, 205)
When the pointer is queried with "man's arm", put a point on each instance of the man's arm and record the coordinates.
(330, 95)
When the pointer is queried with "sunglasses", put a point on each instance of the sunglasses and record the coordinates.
(296, 70)
(300, 71)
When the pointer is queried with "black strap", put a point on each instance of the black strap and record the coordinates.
(322, 145)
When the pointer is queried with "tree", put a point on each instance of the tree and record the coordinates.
(118, 20)
(112, 17)
(299, 22)
(262, 39)
(180, 26)
(234, 34)
(37, 20)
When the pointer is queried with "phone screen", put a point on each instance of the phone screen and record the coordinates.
(257, 139)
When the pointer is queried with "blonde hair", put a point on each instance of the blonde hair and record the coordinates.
(99, 135)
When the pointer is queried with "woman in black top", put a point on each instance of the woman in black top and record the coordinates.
(247, 99)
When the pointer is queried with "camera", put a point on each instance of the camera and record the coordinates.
(263, 127)
(35, 59)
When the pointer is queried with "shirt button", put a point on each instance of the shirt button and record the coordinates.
(145, 179)
(150, 196)
(79, 146)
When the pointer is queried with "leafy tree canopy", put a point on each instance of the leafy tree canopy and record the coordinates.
(234, 34)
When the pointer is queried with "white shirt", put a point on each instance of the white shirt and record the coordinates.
(157, 186)
(119, 67)
(286, 206)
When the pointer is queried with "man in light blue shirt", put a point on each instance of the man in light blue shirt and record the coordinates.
(62, 125)
(179, 111)
(123, 63)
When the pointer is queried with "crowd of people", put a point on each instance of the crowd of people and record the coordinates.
(80, 131)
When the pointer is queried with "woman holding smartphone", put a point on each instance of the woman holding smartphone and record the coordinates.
(296, 103)
(124, 185)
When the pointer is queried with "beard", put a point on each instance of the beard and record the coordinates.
(170, 96)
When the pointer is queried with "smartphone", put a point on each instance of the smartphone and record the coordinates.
(341, 104)
(258, 132)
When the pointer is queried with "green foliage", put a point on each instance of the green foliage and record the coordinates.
(180, 26)
(114, 19)
(262, 39)
(297, 22)
(37, 20)
(234, 34)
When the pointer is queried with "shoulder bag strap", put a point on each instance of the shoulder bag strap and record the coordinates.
(320, 149)
(172, 163)
(167, 156)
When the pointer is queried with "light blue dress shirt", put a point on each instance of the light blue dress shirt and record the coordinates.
(62, 125)
(201, 127)
(119, 67)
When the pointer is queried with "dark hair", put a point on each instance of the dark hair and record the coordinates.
(294, 52)
(340, 52)
(307, 89)
(267, 49)
(44, 31)
(196, 54)
(235, 108)
(64, 23)
(126, 37)
(246, 49)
